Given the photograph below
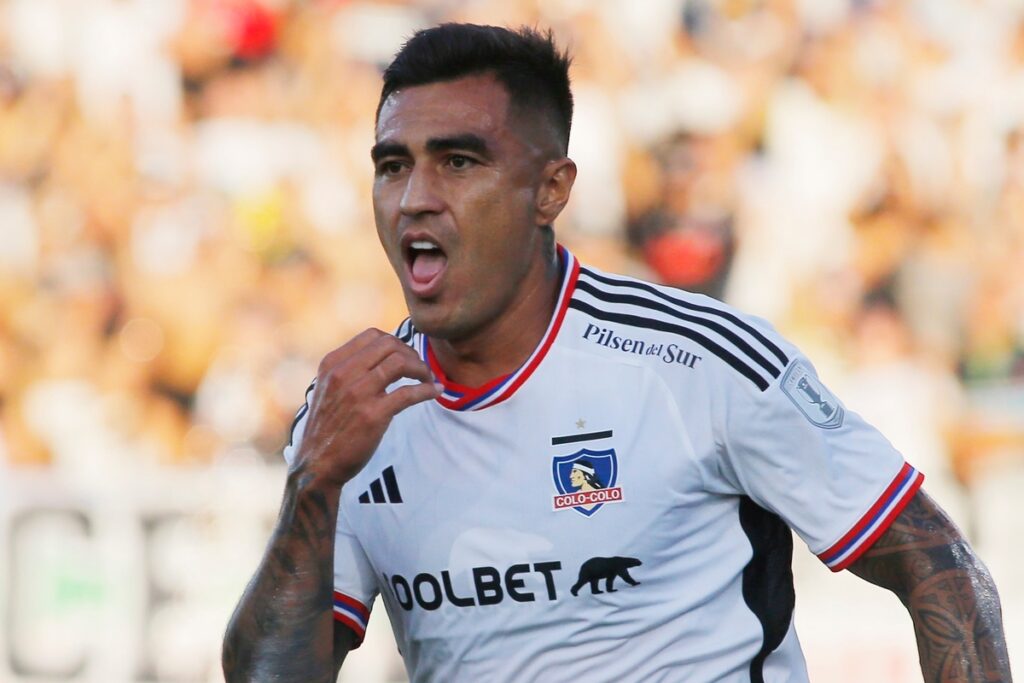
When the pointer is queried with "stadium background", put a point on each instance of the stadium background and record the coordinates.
(185, 229)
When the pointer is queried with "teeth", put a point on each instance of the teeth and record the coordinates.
(423, 244)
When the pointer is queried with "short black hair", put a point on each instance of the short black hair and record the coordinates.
(527, 62)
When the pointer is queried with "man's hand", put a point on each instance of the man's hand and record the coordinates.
(350, 409)
(952, 600)
(283, 628)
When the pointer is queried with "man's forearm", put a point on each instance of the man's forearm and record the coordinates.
(282, 629)
(958, 625)
(949, 593)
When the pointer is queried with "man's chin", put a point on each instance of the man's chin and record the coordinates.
(430, 317)
(438, 321)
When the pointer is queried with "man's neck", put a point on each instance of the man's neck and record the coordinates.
(507, 341)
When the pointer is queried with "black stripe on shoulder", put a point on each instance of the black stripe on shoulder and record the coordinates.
(644, 302)
(405, 331)
(735, 320)
(661, 326)
(302, 411)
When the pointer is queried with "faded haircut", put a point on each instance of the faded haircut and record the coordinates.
(527, 62)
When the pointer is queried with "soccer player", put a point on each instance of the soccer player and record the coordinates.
(437, 468)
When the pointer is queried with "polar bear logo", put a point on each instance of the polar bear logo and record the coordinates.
(608, 568)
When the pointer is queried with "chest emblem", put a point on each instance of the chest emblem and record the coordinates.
(586, 480)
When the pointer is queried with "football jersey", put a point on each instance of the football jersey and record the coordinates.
(619, 507)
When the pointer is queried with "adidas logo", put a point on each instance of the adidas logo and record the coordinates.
(376, 494)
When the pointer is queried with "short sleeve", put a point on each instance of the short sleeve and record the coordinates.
(796, 450)
(355, 586)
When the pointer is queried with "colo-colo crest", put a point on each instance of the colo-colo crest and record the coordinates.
(586, 480)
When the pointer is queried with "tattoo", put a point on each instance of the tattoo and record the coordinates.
(283, 627)
(949, 593)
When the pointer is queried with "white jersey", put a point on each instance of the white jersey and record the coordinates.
(619, 508)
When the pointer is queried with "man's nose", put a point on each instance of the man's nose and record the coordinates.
(421, 193)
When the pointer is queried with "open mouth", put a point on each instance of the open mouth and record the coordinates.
(427, 262)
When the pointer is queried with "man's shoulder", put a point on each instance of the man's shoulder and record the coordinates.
(668, 327)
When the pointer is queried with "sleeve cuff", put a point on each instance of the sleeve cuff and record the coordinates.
(875, 521)
(351, 613)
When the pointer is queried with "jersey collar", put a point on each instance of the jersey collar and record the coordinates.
(459, 397)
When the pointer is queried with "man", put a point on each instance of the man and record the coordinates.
(434, 468)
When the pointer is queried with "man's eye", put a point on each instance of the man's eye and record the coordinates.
(459, 162)
(390, 167)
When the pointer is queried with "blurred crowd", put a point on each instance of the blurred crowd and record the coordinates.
(185, 223)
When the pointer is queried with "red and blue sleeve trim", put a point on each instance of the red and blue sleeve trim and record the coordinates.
(352, 613)
(875, 522)
(458, 397)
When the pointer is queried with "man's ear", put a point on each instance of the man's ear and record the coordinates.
(556, 185)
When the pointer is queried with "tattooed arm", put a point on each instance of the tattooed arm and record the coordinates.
(951, 597)
(283, 628)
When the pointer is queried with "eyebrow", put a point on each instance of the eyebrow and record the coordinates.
(465, 141)
(388, 149)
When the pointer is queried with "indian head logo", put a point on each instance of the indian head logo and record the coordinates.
(585, 480)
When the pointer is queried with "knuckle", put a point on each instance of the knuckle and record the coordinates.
(363, 412)
(402, 362)
(372, 335)
(411, 362)
(395, 344)
(418, 393)
(382, 372)
(422, 392)
(333, 377)
(326, 363)
(374, 414)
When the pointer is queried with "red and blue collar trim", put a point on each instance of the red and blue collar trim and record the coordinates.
(459, 397)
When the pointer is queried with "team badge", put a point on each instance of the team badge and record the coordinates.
(812, 398)
(586, 480)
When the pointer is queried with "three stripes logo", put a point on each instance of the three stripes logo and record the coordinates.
(383, 489)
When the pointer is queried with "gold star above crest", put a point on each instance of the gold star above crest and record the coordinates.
(581, 423)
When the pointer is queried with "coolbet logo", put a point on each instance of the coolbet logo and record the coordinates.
(585, 480)
(488, 586)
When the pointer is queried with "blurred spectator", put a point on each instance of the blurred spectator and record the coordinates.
(686, 234)
(184, 192)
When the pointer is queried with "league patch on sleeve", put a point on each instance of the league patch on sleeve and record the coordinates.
(812, 398)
